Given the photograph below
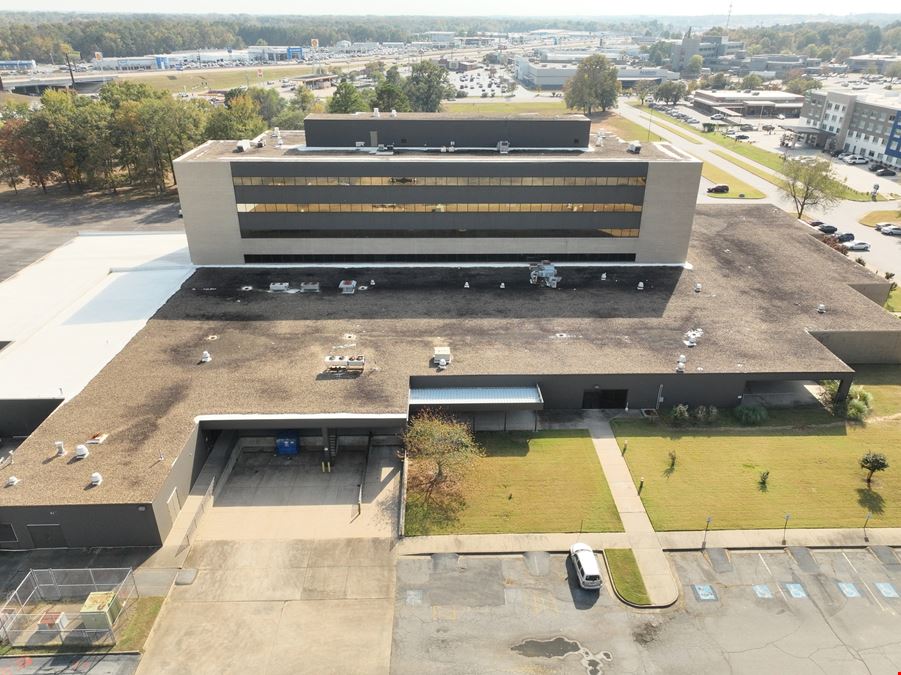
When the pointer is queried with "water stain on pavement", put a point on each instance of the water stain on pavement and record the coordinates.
(560, 647)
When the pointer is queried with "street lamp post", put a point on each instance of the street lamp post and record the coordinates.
(865, 523)
(706, 528)
(785, 527)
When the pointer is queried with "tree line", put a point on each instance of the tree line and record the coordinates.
(128, 136)
(46, 36)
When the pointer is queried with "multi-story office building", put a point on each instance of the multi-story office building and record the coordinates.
(433, 188)
(876, 63)
(864, 124)
(713, 49)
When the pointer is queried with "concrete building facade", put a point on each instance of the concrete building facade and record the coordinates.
(426, 188)
(861, 124)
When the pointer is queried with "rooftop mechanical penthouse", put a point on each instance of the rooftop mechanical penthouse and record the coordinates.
(431, 188)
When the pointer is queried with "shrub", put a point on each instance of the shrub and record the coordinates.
(860, 261)
(672, 459)
(680, 415)
(764, 477)
(700, 414)
(889, 276)
(857, 411)
(750, 415)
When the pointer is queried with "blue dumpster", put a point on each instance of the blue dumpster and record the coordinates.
(287, 443)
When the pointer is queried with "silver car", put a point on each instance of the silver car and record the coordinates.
(858, 246)
(586, 566)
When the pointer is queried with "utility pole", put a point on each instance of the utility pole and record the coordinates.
(1, 83)
(71, 74)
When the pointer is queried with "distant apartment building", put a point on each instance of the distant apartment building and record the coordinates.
(864, 124)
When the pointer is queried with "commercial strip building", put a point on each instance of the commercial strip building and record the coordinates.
(599, 340)
(748, 103)
(552, 74)
(864, 124)
(876, 63)
(432, 188)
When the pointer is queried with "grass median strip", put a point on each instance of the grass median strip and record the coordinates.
(546, 481)
(874, 217)
(628, 130)
(736, 187)
(625, 575)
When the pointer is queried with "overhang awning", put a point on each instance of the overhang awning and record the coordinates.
(803, 129)
(479, 398)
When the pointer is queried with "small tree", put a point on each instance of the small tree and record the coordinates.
(441, 441)
(694, 65)
(752, 81)
(811, 184)
(873, 462)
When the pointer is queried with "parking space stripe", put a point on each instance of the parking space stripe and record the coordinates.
(850, 563)
(870, 591)
(778, 585)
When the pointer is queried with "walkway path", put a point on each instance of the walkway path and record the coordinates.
(659, 578)
(828, 538)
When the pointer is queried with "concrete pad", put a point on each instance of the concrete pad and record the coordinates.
(242, 586)
(155, 582)
(325, 583)
(369, 583)
(331, 637)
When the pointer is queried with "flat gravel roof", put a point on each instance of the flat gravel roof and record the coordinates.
(762, 276)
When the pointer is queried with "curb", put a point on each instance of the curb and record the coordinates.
(51, 655)
(629, 603)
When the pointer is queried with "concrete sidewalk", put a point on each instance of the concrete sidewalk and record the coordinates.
(558, 542)
(827, 538)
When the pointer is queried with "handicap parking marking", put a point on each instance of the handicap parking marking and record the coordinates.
(763, 591)
(887, 590)
(704, 592)
(796, 590)
(848, 589)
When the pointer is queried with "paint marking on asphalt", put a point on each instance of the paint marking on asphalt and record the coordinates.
(768, 570)
(870, 591)
(850, 563)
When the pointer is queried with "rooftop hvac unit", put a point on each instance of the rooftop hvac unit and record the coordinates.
(82, 452)
(640, 286)
(634, 147)
(242, 146)
(278, 286)
(275, 132)
(60, 449)
(309, 286)
(205, 357)
(96, 478)
(13, 480)
(375, 112)
(260, 143)
(821, 308)
(442, 354)
(347, 286)
(393, 112)
(503, 147)
(697, 288)
(680, 367)
(544, 274)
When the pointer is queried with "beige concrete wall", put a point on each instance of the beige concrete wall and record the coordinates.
(210, 214)
(668, 211)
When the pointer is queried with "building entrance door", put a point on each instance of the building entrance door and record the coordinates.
(605, 398)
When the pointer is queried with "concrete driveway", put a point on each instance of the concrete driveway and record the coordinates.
(270, 607)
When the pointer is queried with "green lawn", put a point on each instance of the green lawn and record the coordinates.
(215, 78)
(547, 481)
(883, 382)
(893, 304)
(814, 475)
(628, 130)
(499, 106)
(626, 575)
(874, 217)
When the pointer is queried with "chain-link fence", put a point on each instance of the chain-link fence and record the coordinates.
(48, 607)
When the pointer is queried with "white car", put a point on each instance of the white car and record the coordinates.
(718, 116)
(891, 230)
(858, 246)
(854, 159)
(586, 566)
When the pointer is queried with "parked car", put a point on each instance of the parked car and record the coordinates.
(741, 137)
(858, 246)
(780, 116)
(891, 230)
(854, 159)
(747, 127)
(816, 223)
(768, 127)
(720, 189)
(886, 172)
(879, 226)
(844, 237)
(586, 565)
(718, 116)
(874, 167)
(828, 229)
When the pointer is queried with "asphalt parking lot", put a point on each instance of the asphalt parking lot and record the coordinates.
(748, 612)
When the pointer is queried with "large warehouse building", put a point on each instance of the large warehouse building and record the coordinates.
(431, 188)
(732, 302)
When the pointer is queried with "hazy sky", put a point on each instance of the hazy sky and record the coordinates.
(474, 7)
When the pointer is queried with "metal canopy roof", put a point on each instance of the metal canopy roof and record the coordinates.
(520, 397)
